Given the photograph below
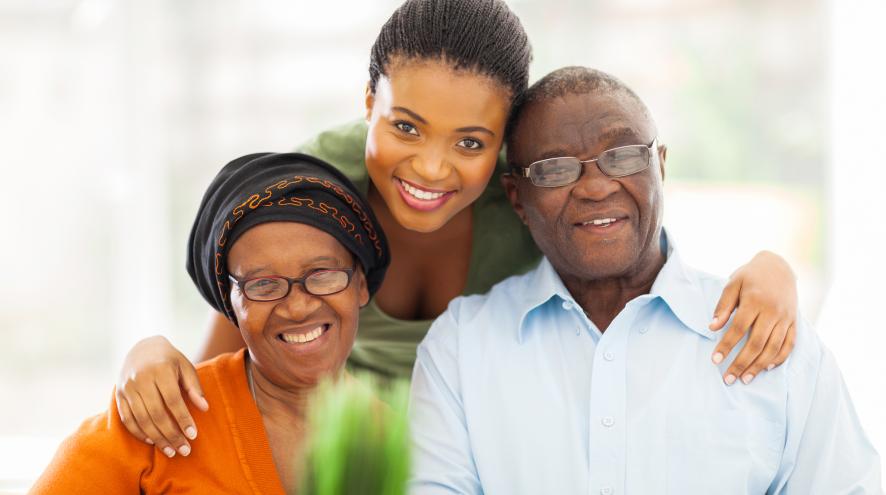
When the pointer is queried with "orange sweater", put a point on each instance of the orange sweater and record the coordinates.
(230, 455)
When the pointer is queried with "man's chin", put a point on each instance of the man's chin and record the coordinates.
(597, 266)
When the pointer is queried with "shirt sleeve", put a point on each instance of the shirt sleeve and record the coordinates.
(100, 457)
(826, 449)
(442, 458)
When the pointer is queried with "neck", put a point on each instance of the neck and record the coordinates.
(277, 404)
(602, 299)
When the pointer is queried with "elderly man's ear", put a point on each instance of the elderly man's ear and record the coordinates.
(662, 157)
(509, 182)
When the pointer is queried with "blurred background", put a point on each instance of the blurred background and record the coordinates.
(115, 114)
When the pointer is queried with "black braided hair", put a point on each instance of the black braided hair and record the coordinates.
(573, 80)
(484, 36)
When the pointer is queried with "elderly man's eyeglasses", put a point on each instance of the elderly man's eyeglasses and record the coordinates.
(615, 162)
(321, 282)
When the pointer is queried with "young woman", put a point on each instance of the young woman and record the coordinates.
(442, 77)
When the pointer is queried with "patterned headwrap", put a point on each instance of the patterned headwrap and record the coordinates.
(275, 187)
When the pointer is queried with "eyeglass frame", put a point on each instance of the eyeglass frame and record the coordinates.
(295, 280)
(524, 171)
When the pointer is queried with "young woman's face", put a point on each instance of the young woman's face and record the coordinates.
(434, 137)
(296, 340)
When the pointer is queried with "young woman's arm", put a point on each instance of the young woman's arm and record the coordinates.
(149, 391)
(763, 294)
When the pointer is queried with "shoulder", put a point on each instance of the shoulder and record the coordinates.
(100, 457)
(808, 350)
(223, 372)
(343, 146)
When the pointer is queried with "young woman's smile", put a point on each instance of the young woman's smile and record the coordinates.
(434, 137)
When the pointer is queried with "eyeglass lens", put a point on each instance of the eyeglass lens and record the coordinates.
(617, 162)
(319, 283)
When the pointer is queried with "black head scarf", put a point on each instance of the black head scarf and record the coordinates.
(274, 187)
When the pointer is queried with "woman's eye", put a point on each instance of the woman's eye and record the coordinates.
(407, 128)
(470, 143)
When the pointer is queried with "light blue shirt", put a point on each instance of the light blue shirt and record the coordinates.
(517, 392)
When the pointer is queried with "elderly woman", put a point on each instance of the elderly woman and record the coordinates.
(285, 247)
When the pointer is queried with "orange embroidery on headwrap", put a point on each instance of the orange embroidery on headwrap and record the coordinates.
(257, 200)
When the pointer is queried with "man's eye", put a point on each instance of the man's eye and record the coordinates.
(471, 144)
(406, 127)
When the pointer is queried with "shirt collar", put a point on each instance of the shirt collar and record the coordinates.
(543, 285)
(680, 288)
(676, 285)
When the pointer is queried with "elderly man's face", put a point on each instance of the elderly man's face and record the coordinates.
(558, 218)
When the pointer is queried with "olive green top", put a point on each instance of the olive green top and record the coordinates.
(501, 247)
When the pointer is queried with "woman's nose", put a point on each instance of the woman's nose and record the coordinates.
(298, 304)
(431, 166)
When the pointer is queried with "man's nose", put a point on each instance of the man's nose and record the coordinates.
(593, 184)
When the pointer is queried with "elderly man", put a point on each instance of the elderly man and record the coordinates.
(555, 382)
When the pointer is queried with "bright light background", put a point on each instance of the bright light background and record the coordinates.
(115, 114)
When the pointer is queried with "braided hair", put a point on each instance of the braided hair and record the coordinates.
(484, 36)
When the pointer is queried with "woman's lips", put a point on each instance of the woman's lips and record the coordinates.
(421, 198)
(303, 340)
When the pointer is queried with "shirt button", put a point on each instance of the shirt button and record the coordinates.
(606, 490)
(608, 421)
(567, 305)
(608, 355)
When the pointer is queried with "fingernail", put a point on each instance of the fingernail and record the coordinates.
(184, 450)
(149, 441)
(730, 379)
(747, 378)
(770, 367)
(169, 452)
(191, 432)
(717, 358)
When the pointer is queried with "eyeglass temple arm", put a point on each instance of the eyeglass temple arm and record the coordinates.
(520, 171)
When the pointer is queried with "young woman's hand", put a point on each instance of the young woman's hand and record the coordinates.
(149, 395)
(763, 294)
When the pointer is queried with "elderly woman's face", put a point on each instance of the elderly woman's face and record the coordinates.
(282, 335)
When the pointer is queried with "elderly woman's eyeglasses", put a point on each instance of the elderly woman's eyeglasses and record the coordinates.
(615, 162)
(320, 282)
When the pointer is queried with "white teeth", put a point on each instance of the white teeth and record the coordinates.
(301, 338)
(421, 194)
(600, 221)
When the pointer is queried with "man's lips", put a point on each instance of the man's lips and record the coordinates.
(602, 223)
(600, 219)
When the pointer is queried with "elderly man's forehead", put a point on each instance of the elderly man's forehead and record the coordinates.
(592, 118)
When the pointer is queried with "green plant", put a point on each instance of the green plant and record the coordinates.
(359, 439)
